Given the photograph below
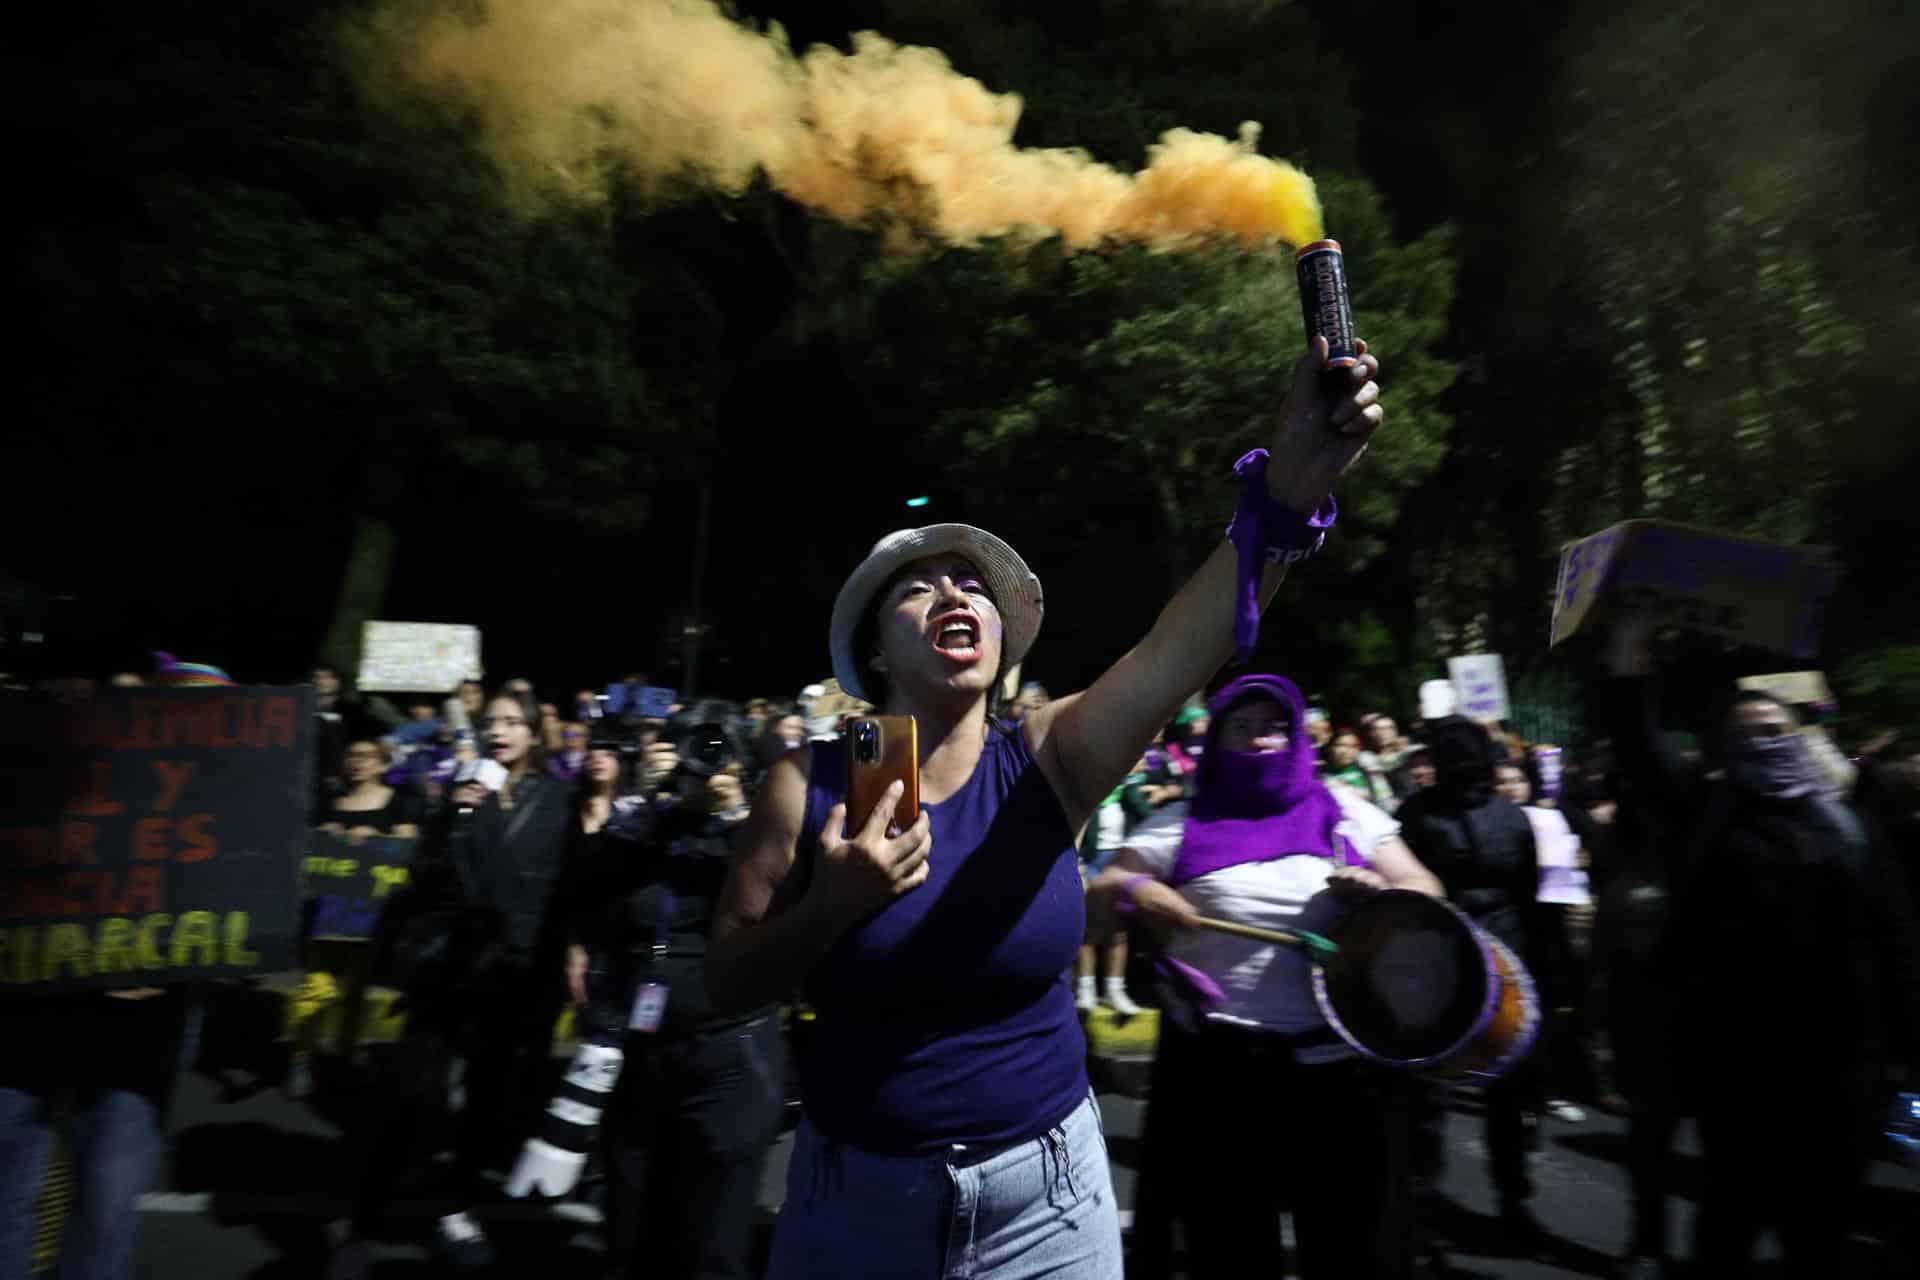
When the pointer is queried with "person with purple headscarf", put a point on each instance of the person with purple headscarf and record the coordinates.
(1264, 843)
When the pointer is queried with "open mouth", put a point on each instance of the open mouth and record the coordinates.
(957, 636)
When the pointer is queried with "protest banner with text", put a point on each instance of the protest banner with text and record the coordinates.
(1767, 595)
(348, 882)
(417, 657)
(151, 835)
(1480, 686)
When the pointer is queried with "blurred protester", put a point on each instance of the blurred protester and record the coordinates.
(550, 728)
(1417, 774)
(818, 725)
(1185, 744)
(1782, 905)
(1031, 698)
(1319, 734)
(368, 806)
(98, 1072)
(1385, 748)
(1101, 968)
(338, 720)
(1343, 765)
(1889, 794)
(566, 763)
(1266, 844)
(1482, 849)
(1391, 755)
(1566, 910)
(699, 1096)
(477, 957)
(462, 710)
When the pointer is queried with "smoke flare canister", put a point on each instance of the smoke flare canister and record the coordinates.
(1322, 270)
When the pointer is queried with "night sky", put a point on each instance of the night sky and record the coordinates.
(229, 548)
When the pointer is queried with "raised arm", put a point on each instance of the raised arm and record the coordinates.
(1087, 742)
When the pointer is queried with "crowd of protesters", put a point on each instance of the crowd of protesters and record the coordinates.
(682, 879)
(1587, 879)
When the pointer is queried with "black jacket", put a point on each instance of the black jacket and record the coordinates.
(651, 876)
(1790, 946)
(507, 859)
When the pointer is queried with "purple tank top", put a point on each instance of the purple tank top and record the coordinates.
(947, 1017)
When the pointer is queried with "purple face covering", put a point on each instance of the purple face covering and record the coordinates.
(1256, 807)
(1778, 768)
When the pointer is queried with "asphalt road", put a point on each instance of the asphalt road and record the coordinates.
(254, 1181)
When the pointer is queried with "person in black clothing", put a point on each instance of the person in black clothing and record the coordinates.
(1632, 997)
(1482, 849)
(338, 720)
(368, 806)
(699, 1098)
(1888, 794)
(480, 962)
(1782, 910)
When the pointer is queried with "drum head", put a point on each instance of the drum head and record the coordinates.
(1411, 982)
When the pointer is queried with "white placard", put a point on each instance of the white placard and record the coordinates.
(1480, 682)
(418, 657)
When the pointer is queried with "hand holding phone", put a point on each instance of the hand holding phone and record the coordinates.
(864, 867)
(883, 750)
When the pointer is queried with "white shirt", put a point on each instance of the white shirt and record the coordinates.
(1266, 985)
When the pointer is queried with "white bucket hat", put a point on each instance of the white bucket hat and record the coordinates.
(1015, 590)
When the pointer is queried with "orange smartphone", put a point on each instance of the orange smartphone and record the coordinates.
(882, 750)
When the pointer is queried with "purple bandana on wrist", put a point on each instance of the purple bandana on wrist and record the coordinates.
(1255, 807)
(1263, 529)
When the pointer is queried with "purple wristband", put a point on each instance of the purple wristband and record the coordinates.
(1124, 904)
(1269, 530)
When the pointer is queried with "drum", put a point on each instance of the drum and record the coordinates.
(1418, 986)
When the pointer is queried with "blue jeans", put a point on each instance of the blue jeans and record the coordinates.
(1041, 1208)
(117, 1062)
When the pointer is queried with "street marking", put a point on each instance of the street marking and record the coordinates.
(196, 1202)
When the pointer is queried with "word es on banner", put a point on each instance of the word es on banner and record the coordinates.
(1480, 686)
(151, 835)
(417, 657)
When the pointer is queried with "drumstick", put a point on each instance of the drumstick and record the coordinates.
(1292, 938)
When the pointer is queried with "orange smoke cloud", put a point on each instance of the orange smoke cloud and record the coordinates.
(669, 92)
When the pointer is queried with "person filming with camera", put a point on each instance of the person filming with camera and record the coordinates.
(689, 1099)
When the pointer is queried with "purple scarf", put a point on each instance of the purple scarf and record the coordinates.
(1258, 808)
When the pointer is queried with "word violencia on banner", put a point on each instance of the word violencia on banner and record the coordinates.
(151, 835)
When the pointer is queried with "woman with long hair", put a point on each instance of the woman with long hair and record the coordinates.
(487, 986)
